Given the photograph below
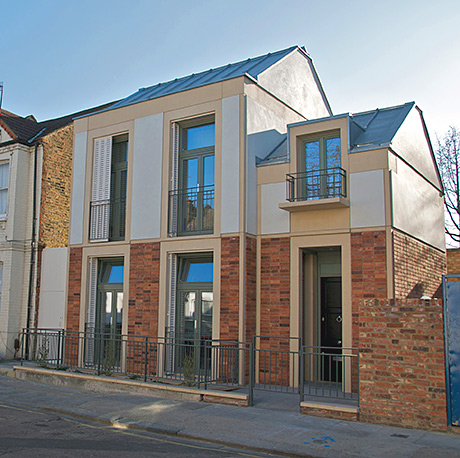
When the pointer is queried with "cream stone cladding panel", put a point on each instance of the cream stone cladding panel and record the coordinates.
(230, 180)
(411, 143)
(147, 170)
(77, 208)
(417, 205)
(294, 81)
(272, 219)
(53, 288)
(266, 129)
(367, 199)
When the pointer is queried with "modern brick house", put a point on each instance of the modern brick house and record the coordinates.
(35, 175)
(232, 203)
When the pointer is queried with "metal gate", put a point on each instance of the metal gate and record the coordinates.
(451, 294)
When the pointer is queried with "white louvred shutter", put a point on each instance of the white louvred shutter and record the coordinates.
(171, 334)
(174, 179)
(91, 317)
(100, 194)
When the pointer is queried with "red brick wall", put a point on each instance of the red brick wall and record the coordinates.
(418, 268)
(251, 289)
(144, 277)
(229, 288)
(275, 285)
(73, 300)
(402, 371)
(453, 261)
(368, 272)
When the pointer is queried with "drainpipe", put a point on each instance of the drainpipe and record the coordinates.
(30, 305)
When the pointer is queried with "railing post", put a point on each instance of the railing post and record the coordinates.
(206, 364)
(251, 374)
(99, 360)
(146, 358)
(58, 350)
(301, 373)
(199, 362)
(22, 346)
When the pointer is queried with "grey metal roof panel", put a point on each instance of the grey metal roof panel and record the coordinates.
(277, 155)
(252, 67)
(378, 127)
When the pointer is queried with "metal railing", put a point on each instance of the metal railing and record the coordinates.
(276, 364)
(191, 211)
(329, 372)
(316, 184)
(108, 219)
(192, 362)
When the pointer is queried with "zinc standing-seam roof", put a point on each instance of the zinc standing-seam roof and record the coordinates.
(252, 67)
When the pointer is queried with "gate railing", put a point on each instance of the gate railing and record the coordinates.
(268, 363)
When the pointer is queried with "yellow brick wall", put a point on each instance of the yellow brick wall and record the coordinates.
(55, 188)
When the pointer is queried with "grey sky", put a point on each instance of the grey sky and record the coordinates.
(58, 57)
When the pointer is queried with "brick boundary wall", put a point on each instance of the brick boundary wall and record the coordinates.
(144, 279)
(368, 272)
(229, 288)
(74, 289)
(453, 261)
(418, 268)
(402, 368)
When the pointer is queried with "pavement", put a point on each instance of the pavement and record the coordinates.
(273, 425)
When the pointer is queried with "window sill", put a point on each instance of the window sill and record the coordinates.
(317, 204)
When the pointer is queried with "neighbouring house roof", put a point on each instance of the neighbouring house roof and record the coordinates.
(368, 130)
(28, 130)
(249, 67)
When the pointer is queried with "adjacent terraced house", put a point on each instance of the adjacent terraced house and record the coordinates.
(35, 179)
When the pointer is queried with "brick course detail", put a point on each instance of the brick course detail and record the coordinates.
(402, 370)
(229, 287)
(368, 272)
(453, 261)
(250, 289)
(144, 278)
(73, 300)
(418, 268)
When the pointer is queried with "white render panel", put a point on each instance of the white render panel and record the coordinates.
(367, 199)
(147, 167)
(53, 288)
(230, 180)
(78, 188)
(418, 208)
(273, 220)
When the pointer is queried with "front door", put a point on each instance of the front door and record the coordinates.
(331, 328)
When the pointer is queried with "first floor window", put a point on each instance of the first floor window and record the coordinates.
(4, 178)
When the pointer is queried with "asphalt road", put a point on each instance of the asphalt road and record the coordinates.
(26, 432)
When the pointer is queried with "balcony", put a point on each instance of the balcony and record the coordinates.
(107, 220)
(316, 189)
(191, 211)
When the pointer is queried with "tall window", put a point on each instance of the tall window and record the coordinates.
(108, 202)
(192, 197)
(320, 174)
(4, 177)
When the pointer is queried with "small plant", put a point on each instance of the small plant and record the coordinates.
(188, 368)
(43, 351)
(108, 363)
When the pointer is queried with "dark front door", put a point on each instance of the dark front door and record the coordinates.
(331, 328)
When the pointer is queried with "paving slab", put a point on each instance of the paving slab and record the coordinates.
(271, 425)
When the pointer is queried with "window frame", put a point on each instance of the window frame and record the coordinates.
(3, 216)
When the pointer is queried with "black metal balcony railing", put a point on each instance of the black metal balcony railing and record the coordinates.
(191, 211)
(316, 184)
(107, 219)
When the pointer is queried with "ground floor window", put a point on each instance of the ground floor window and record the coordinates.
(194, 309)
